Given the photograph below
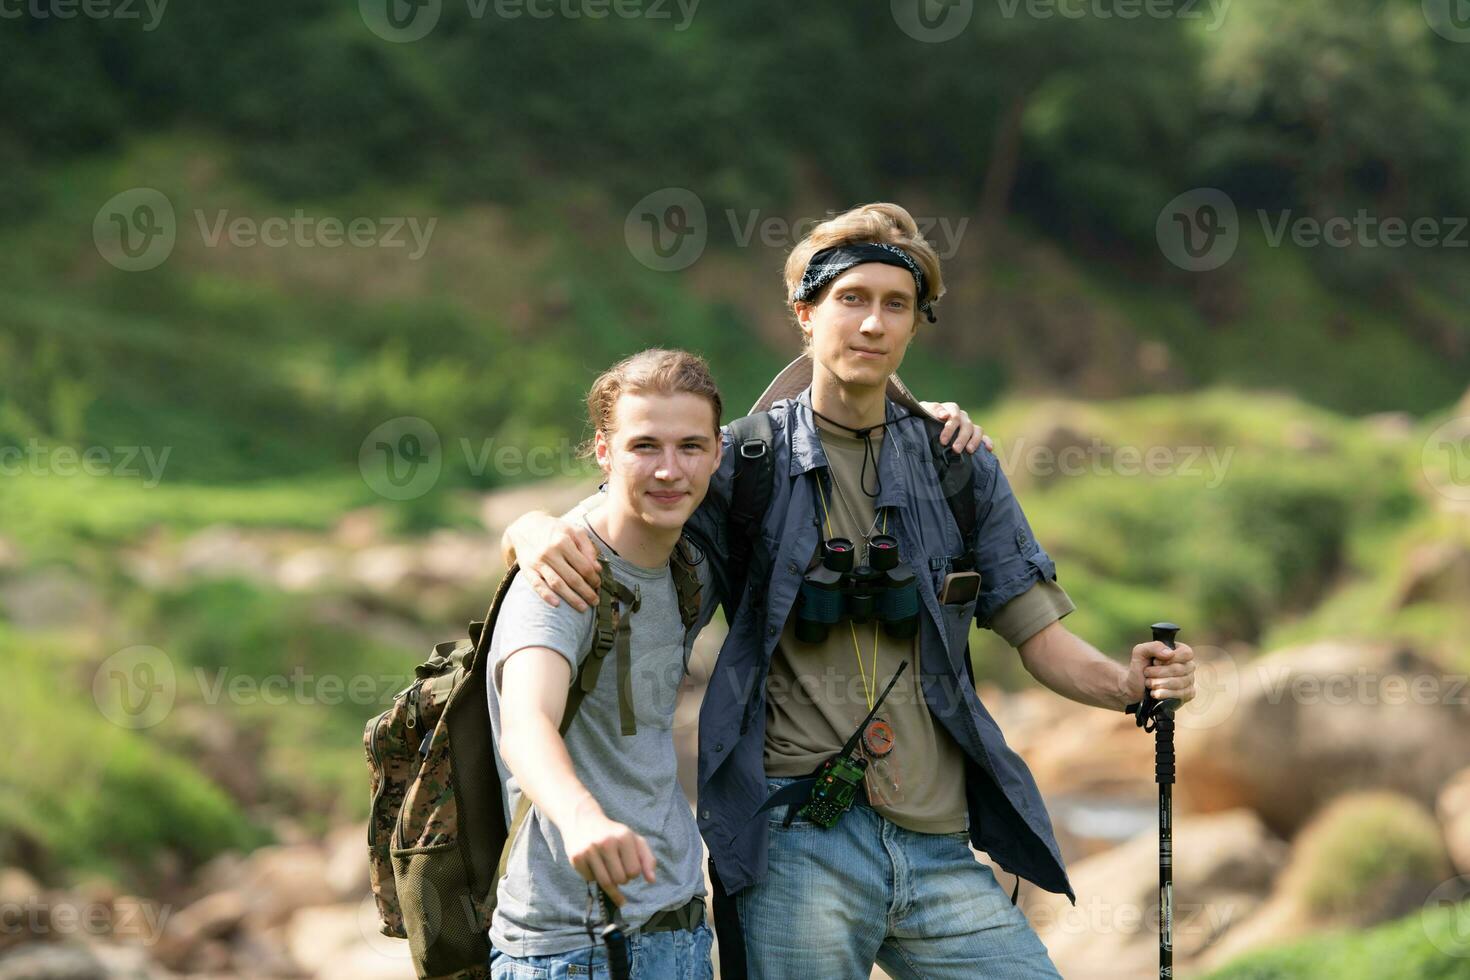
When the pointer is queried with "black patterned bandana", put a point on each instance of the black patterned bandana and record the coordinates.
(832, 262)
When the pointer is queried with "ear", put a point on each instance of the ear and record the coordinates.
(603, 451)
(804, 319)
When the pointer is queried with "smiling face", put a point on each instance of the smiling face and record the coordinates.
(659, 456)
(861, 328)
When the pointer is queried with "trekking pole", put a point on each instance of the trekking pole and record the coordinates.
(615, 938)
(1158, 717)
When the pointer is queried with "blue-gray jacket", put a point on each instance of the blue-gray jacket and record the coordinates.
(1007, 817)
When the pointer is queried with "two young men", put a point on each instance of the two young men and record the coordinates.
(895, 880)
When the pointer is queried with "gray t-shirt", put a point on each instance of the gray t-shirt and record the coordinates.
(542, 902)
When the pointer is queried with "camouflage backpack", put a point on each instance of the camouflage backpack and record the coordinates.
(437, 837)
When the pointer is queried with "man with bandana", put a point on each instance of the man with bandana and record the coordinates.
(894, 880)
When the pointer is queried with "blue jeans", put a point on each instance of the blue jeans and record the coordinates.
(920, 905)
(676, 955)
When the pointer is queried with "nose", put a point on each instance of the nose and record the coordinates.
(668, 464)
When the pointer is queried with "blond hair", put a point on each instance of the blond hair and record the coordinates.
(889, 224)
(655, 371)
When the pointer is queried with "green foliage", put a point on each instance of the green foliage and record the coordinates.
(1364, 852)
(85, 794)
(1397, 951)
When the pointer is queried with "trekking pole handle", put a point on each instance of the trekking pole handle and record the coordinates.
(1164, 633)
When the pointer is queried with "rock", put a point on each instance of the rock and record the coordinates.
(347, 870)
(360, 528)
(189, 932)
(17, 886)
(49, 597)
(278, 881)
(126, 962)
(1222, 873)
(1365, 859)
(10, 555)
(1286, 733)
(383, 568)
(1435, 572)
(51, 961)
(1453, 811)
(310, 569)
(221, 551)
(555, 496)
(342, 941)
(452, 556)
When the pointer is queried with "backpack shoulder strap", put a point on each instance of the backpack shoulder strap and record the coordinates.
(956, 475)
(750, 493)
(609, 633)
(686, 584)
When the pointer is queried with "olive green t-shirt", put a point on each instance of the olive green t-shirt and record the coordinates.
(818, 693)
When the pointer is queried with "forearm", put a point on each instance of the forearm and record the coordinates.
(1074, 668)
(536, 755)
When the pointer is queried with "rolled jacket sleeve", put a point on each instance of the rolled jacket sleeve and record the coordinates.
(1008, 557)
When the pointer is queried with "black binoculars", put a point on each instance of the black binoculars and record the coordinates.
(885, 589)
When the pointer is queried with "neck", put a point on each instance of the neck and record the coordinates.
(855, 406)
(634, 540)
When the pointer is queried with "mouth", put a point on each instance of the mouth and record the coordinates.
(864, 352)
(669, 497)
